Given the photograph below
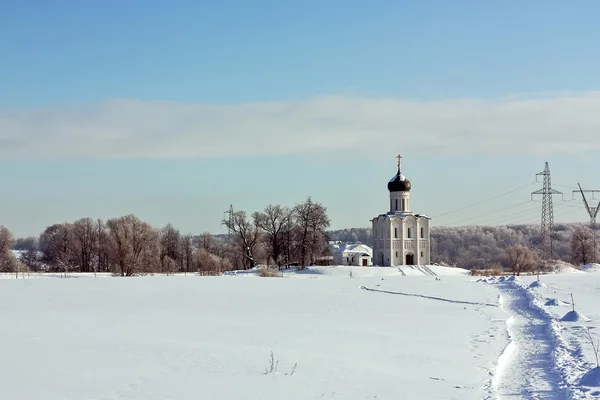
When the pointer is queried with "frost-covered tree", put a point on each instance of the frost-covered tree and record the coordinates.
(247, 236)
(520, 259)
(272, 222)
(312, 222)
(132, 245)
(583, 250)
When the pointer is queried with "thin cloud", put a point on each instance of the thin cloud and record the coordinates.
(543, 125)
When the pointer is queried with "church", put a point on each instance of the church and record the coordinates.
(400, 237)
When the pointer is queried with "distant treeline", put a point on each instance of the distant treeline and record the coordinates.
(277, 236)
(478, 246)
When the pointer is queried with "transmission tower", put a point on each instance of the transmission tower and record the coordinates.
(229, 218)
(547, 226)
(593, 212)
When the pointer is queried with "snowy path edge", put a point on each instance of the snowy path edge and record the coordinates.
(564, 362)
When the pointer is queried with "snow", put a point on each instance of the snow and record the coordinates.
(563, 267)
(552, 357)
(357, 248)
(591, 267)
(574, 316)
(177, 337)
(340, 332)
(537, 284)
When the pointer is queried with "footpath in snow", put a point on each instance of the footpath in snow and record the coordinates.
(526, 368)
(538, 363)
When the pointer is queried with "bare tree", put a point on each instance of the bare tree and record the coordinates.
(207, 242)
(247, 236)
(272, 221)
(8, 262)
(84, 234)
(187, 250)
(312, 222)
(131, 241)
(520, 259)
(582, 245)
(170, 250)
(57, 246)
(102, 250)
(6, 240)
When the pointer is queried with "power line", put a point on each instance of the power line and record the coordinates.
(526, 216)
(486, 200)
(568, 204)
(565, 186)
(493, 212)
(571, 211)
(510, 217)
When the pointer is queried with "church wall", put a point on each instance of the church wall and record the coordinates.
(382, 241)
(426, 246)
(391, 240)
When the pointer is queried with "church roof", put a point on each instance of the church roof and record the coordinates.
(401, 215)
(399, 183)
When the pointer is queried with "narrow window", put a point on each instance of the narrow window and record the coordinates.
(396, 209)
(396, 254)
(408, 234)
(403, 204)
(421, 254)
(422, 233)
(395, 232)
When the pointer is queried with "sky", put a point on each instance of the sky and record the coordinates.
(174, 110)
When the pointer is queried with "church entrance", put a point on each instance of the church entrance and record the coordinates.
(410, 259)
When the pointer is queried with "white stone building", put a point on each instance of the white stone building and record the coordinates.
(400, 237)
(354, 254)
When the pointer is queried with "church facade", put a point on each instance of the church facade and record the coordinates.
(400, 237)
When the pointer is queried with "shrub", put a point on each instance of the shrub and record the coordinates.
(269, 273)
(494, 270)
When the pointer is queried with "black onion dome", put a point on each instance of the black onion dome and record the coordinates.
(399, 183)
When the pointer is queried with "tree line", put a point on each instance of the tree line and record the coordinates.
(479, 247)
(276, 236)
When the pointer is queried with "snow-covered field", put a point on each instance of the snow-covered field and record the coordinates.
(334, 333)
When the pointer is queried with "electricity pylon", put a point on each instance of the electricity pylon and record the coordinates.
(547, 223)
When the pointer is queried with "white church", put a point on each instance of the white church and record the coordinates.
(400, 237)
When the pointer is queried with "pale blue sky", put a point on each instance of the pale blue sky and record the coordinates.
(173, 110)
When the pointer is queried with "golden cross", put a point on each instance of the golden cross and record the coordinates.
(399, 157)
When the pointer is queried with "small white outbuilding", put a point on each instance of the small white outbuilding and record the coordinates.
(354, 254)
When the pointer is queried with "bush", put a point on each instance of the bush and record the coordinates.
(209, 273)
(269, 273)
(494, 270)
